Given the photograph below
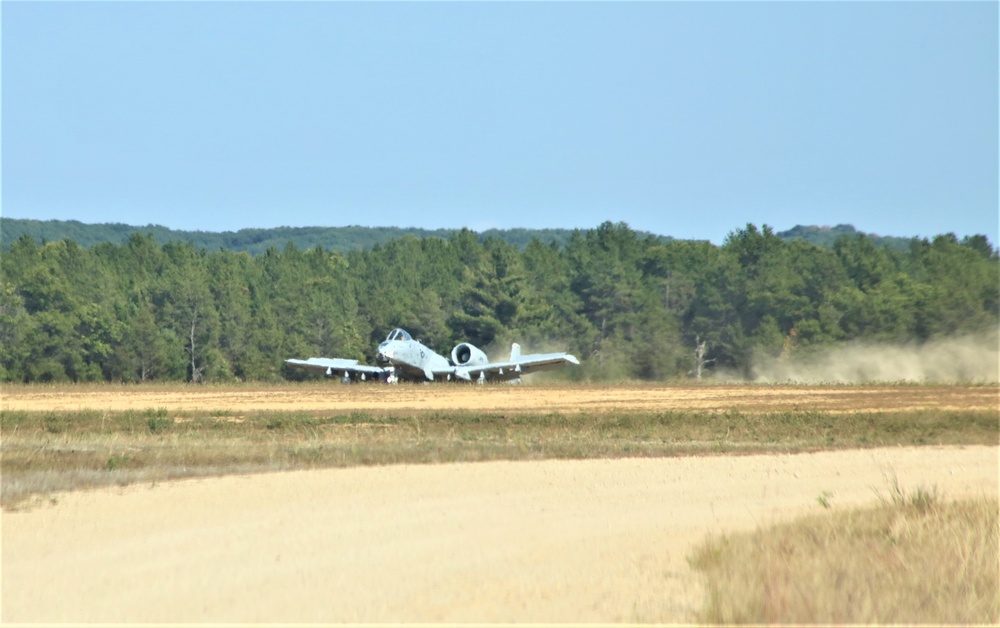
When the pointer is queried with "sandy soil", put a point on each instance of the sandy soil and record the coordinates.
(554, 541)
(528, 398)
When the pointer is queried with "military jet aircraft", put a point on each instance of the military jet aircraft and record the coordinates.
(400, 357)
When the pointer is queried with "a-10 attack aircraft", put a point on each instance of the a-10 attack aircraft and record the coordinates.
(400, 357)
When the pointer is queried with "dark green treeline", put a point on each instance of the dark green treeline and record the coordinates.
(630, 306)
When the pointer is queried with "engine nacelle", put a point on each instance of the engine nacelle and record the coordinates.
(467, 355)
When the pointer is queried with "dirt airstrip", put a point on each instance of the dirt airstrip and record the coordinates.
(549, 541)
(504, 398)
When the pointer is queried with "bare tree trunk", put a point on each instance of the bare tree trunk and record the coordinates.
(699, 357)
(195, 371)
(599, 344)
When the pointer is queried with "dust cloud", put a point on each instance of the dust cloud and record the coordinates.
(966, 359)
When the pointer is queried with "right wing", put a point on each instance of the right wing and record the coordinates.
(338, 366)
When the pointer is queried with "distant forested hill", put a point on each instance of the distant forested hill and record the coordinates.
(826, 236)
(253, 241)
(342, 239)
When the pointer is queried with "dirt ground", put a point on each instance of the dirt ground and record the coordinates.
(503, 398)
(553, 541)
(550, 541)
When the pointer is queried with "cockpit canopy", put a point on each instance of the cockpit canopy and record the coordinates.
(398, 334)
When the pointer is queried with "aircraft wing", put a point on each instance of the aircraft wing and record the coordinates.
(513, 369)
(338, 366)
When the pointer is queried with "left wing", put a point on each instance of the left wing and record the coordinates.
(517, 366)
(339, 366)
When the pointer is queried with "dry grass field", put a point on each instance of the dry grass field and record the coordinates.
(585, 504)
(912, 559)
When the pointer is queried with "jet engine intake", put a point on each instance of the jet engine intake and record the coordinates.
(467, 355)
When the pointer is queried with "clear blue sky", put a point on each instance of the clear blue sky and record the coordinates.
(680, 118)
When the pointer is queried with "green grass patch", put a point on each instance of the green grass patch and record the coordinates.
(45, 452)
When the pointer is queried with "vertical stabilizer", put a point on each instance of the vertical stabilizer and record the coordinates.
(515, 352)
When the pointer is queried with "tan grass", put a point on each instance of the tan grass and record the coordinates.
(913, 559)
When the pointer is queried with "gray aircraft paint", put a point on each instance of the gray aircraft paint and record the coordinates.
(400, 357)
